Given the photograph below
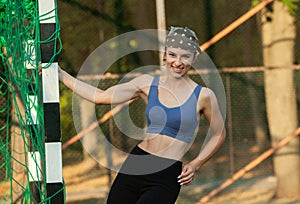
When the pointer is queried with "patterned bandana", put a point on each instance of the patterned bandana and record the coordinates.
(183, 38)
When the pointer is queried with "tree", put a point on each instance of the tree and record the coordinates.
(87, 112)
(278, 38)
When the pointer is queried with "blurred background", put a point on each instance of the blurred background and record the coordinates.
(239, 57)
(91, 23)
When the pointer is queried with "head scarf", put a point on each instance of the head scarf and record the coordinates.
(183, 38)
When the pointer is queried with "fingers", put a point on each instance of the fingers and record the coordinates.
(187, 175)
(40, 68)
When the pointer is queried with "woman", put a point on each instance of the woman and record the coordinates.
(175, 104)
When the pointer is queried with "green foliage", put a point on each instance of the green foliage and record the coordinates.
(291, 4)
(254, 3)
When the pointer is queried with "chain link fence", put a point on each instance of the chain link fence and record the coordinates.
(246, 125)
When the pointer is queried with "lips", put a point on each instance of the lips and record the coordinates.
(177, 69)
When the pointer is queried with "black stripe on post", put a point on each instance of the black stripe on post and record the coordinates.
(56, 189)
(52, 122)
(48, 49)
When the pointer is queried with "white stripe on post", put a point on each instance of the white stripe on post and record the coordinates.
(33, 104)
(50, 83)
(52, 153)
(34, 166)
(47, 11)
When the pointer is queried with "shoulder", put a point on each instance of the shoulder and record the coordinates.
(143, 80)
(144, 77)
(206, 93)
(206, 98)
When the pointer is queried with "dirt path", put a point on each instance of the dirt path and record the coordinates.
(87, 183)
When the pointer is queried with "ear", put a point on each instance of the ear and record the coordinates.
(196, 55)
(164, 57)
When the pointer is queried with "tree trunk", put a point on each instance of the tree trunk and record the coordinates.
(278, 35)
(89, 141)
(87, 110)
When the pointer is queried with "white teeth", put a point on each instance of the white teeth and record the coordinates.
(177, 69)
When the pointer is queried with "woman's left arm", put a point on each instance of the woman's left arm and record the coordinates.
(211, 111)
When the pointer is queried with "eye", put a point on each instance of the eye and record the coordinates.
(171, 54)
(186, 56)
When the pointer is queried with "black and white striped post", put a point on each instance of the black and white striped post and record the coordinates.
(50, 84)
(32, 122)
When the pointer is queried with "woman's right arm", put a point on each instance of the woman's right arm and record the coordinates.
(116, 94)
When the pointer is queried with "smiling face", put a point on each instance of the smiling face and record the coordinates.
(178, 61)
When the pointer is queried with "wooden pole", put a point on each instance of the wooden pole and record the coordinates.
(17, 149)
(250, 166)
(161, 25)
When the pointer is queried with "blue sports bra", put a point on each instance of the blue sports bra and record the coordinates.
(179, 122)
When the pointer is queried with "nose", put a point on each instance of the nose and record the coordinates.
(178, 61)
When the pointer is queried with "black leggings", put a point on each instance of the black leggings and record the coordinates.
(160, 187)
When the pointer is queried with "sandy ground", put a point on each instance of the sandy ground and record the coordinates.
(87, 183)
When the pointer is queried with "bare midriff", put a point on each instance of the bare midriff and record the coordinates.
(164, 146)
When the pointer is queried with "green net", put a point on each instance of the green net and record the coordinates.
(21, 109)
